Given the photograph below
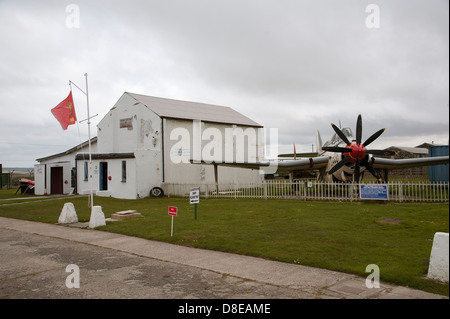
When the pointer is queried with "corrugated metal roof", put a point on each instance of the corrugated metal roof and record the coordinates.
(193, 111)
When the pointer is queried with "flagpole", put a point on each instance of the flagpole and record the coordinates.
(89, 140)
(89, 135)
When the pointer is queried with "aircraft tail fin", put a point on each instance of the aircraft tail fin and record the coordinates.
(319, 143)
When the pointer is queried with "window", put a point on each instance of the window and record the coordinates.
(86, 171)
(124, 171)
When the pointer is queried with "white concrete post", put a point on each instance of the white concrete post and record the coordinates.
(68, 214)
(438, 269)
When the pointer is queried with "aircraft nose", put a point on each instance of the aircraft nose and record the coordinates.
(358, 151)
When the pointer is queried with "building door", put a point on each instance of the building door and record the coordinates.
(56, 180)
(103, 176)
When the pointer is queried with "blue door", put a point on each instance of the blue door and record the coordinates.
(103, 176)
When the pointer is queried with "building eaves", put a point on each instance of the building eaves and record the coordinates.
(69, 151)
(103, 156)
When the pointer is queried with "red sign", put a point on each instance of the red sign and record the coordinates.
(173, 211)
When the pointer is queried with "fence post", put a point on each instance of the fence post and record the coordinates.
(265, 189)
(400, 192)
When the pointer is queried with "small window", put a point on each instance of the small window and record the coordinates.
(86, 171)
(124, 171)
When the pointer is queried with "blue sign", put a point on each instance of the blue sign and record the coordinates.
(374, 191)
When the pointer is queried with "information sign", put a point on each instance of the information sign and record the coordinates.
(374, 191)
(194, 195)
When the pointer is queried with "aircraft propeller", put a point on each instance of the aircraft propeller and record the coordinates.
(355, 152)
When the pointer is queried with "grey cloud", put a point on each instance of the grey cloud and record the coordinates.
(294, 65)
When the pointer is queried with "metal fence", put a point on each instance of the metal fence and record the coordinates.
(313, 190)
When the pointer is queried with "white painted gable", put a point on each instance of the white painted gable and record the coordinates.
(129, 126)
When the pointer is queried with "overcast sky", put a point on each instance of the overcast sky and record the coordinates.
(287, 64)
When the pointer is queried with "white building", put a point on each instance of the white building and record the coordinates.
(145, 143)
(55, 174)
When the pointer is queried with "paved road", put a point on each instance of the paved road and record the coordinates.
(34, 257)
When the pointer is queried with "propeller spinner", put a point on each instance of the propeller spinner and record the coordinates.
(355, 152)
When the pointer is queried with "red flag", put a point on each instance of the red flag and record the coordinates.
(64, 112)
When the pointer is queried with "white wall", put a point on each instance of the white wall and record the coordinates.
(43, 181)
(84, 185)
(128, 127)
(108, 129)
(148, 171)
(178, 150)
(116, 187)
(39, 179)
(142, 174)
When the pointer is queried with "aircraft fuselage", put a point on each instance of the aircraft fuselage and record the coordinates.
(345, 173)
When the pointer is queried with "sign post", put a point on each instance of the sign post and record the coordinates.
(173, 211)
(194, 198)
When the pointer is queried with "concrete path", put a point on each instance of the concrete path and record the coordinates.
(34, 257)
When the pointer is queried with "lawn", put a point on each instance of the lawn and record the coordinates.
(341, 236)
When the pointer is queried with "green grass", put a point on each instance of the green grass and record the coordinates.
(341, 236)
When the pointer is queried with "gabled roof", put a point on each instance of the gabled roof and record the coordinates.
(167, 108)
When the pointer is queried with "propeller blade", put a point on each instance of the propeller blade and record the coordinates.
(381, 152)
(359, 130)
(370, 169)
(338, 165)
(374, 137)
(340, 134)
(357, 174)
(336, 149)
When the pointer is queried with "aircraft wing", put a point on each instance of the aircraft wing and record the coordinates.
(251, 165)
(304, 163)
(288, 165)
(386, 163)
(292, 155)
